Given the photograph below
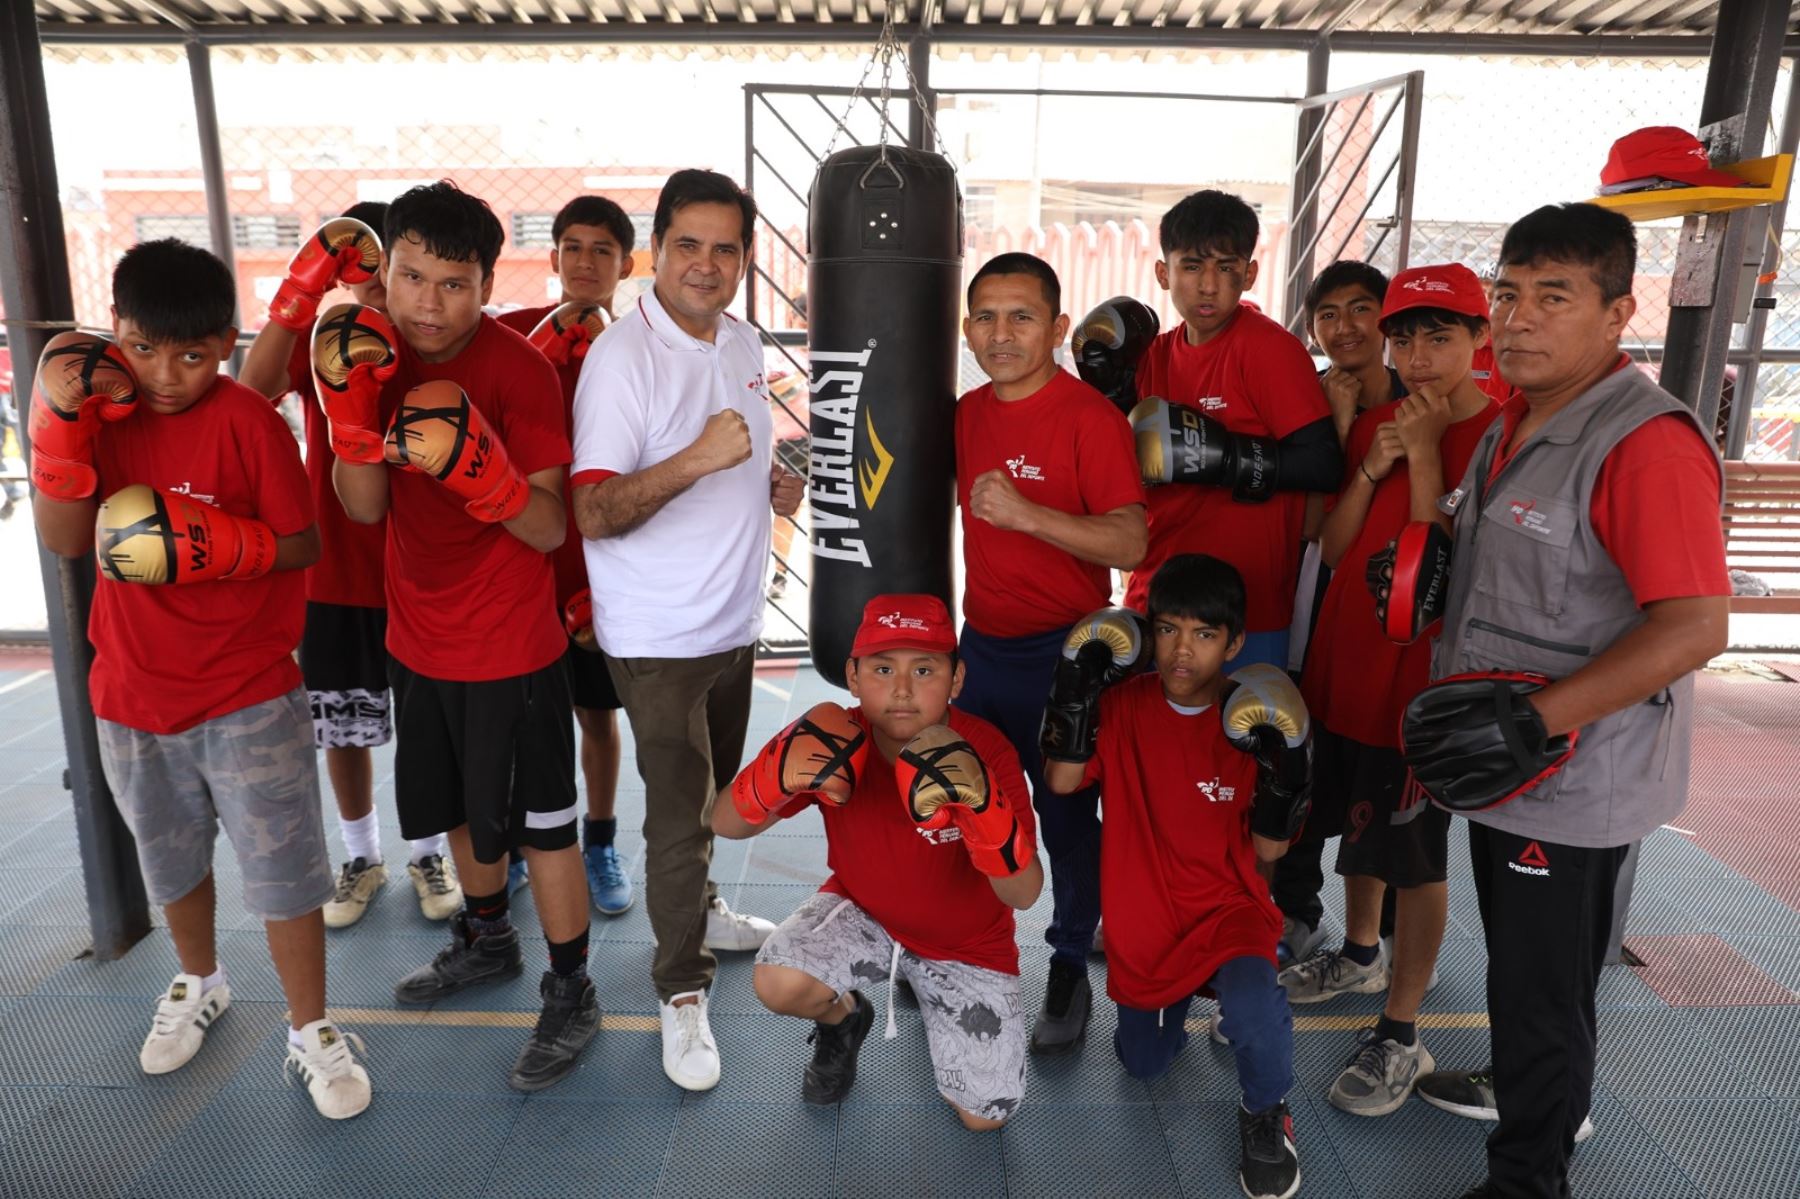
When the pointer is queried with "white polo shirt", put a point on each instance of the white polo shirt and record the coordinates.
(690, 580)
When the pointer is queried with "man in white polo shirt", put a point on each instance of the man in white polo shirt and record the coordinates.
(672, 485)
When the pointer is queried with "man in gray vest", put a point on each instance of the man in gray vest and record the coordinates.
(1587, 584)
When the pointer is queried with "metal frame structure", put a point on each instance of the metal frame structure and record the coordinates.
(1750, 38)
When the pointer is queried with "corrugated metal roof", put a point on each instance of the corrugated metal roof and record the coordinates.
(502, 19)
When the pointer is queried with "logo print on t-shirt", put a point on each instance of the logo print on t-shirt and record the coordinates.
(948, 835)
(1018, 468)
(1211, 403)
(188, 489)
(1212, 792)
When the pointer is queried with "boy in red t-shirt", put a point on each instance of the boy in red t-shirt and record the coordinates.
(343, 653)
(1202, 778)
(198, 704)
(1358, 681)
(453, 428)
(930, 837)
(1241, 389)
(1047, 480)
(591, 251)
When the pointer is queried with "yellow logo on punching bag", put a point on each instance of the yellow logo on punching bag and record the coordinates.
(871, 475)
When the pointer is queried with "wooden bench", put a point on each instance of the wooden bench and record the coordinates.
(1762, 532)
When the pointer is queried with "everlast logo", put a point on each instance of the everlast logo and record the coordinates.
(839, 479)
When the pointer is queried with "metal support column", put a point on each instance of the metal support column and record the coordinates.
(921, 126)
(1714, 251)
(1303, 222)
(34, 282)
(1743, 395)
(212, 169)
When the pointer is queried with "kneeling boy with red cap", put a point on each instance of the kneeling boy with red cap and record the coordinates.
(932, 844)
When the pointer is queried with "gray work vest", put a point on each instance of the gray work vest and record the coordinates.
(1533, 589)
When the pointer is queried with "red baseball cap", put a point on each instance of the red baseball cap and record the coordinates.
(1662, 152)
(1452, 287)
(915, 622)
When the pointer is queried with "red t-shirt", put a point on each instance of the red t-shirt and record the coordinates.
(1357, 682)
(568, 563)
(349, 567)
(167, 658)
(1065, 447)
(1254, 377)
(467, 600)
(920, 885)
(1179, 889)
(1655, 506)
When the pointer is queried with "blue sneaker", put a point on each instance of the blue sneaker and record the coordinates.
(516, 875)
(607, 883)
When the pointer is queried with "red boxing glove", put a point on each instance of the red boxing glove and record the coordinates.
(353, 354)
(439, 432)
(342, 250)
(142, 535)
(1410, 581)
(578, 620)
(81, 381)
(565, 334)
(944, 781)
(821, 754)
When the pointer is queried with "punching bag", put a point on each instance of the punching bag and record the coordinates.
(884, 277)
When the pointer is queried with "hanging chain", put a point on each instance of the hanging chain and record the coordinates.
(888, 49)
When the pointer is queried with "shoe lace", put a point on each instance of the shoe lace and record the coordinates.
(688, 1022)
(346, 886)
(432, 869)
(331, 1061)
(552, 1020)
(612, 872)
(1060, 991)
(1324, 966)
(172, 1014)
(1372, 1055)
(1265, 1135)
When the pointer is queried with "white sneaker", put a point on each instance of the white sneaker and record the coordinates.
(339, 1086)
(182, 1017)
(734, 931)
(690, 1055)
(1215, 1027)
(434, 879)
(359, 884)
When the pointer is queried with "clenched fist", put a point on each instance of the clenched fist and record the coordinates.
(723, 442)
(1421, 419)
(786, 490)
(993, 498)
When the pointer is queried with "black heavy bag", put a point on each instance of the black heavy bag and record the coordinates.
(883, 285)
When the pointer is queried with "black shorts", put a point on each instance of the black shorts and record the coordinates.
(344, 648)
(498, 755)
(589, 680)
(1391, 831)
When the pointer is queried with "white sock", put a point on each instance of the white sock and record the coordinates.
(429, 847)
(362, 838)
(295, 1039)
(212, 980)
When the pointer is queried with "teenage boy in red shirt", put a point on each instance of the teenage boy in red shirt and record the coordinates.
(1203, 779)
(343, 653)
(453, 428)
(1047, 479)
(1243, 389)
(930, 840)
(201, 716)
(593, 240)
(1358, 681)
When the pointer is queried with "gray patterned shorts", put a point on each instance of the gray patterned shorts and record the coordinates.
(974, 1023)
(251, 770)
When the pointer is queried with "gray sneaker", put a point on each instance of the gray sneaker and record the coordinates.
(1470, 1093)
(1328, 974)
(1380, 1076)
(1387, 963)
(1299, 941)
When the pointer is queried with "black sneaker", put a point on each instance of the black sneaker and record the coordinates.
(1268, 1166)
(463, 964)
(568, 1022)
(832, 1071)
(1068, 1002)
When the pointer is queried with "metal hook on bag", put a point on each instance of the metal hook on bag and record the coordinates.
(881, 160)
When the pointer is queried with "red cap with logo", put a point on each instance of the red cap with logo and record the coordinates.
(1662, 152)
(915, 622)
(1452, 287)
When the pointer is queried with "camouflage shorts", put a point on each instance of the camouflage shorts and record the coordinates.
(974, 1024)
(251, 770)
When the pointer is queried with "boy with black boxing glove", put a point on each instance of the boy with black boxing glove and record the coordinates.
(452, 428)
(198, 606)
(932, 847)
(1202, 777)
